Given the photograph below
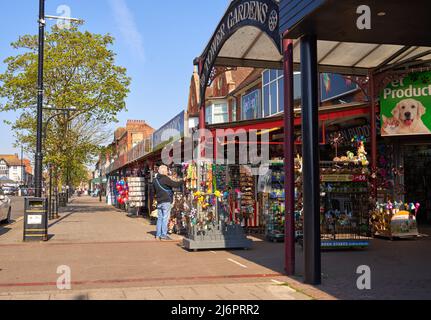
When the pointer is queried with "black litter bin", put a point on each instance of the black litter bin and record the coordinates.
(63, 199)
(36, 219)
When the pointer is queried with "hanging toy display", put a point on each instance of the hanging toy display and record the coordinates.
(208, 223)
(181, 214)
(122, 192)
(361, 154)
(335, 140)
(191, 174)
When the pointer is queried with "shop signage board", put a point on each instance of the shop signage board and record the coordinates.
(344, 178)
(327, 244)
(251, 105)
(349, 133)
(405, 106)
(171, 131)
(262, 14)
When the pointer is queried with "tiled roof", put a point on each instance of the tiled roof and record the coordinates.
(11, 159)
(240, 74)
(28, 168)
(251, 77)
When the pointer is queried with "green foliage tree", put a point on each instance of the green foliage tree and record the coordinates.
(79, 72)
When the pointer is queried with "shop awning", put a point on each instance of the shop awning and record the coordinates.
(99, 180)
(398, 36)
(249, 47)
(342, 47)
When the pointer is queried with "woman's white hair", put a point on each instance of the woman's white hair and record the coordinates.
(163, 170)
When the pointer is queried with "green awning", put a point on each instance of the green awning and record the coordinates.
(99, 180)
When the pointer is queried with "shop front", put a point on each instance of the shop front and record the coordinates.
(357, 43)
(258, 203)
(403, 183)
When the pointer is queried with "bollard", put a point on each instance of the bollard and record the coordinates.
(56, 204)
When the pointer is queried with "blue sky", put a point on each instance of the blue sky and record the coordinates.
(155, 40)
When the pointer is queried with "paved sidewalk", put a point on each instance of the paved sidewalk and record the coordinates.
(87, 220)
(112, 256)
(262, 291)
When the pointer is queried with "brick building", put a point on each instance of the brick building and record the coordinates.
(135, 132)
(241, 94)
(220, 106)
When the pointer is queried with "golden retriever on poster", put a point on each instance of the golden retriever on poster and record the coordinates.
(409, 113)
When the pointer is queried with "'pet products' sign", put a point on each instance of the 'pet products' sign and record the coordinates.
(406, 106)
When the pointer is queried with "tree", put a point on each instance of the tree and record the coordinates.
(79, 72)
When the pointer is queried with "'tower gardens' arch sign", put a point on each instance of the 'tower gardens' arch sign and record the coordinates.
(262, 14)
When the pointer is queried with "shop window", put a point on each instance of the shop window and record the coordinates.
(281, 95)
(217, 113)
(272, 91)
(208, 114)
(221, 114)
(220, 84)
(250, 106)
(265, 101)
(4, 171)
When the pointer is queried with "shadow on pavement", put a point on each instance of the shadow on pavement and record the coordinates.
(400, 269)
(4, 230)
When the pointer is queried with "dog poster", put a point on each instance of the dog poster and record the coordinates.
(405, 106)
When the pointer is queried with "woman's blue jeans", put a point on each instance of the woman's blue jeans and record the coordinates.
(163, 219)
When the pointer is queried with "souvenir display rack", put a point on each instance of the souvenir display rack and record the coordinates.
(299, 203)
(274, 204)
(272, 199)
(137, 197)
(395, 220)
(206, 228)
(248, 216)
(345, 204)
(180, 208)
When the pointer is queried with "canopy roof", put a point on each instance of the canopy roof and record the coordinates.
(333, 56)
(398, 38)
(249, 47)
(398, 34)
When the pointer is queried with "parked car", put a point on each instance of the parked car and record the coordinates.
(10, 191)
(5, 208)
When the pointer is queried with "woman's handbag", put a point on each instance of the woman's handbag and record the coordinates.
(154, 213)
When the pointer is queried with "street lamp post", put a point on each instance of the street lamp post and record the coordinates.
(39, 154)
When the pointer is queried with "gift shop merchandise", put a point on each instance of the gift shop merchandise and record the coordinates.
(137, 191)
(120, 192)
(345, 199)
(211, 222)
(395, 220)
(272, 200)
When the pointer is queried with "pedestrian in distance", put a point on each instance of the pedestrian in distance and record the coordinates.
(163, 190)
